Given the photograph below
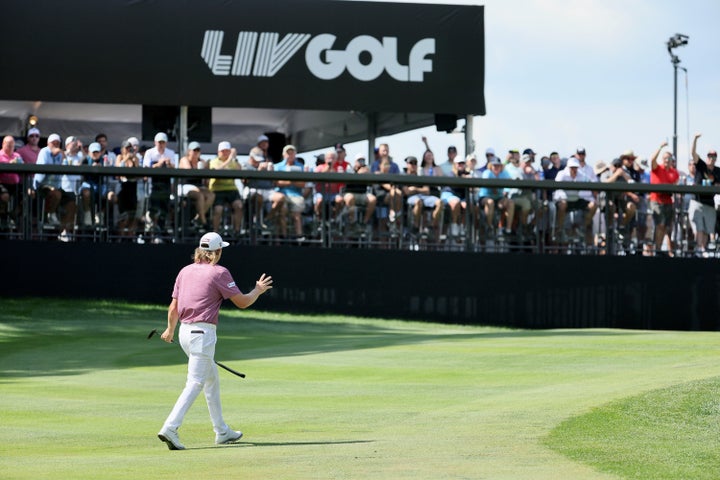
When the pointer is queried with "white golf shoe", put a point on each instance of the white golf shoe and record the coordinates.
(228, 437)
(171, 438)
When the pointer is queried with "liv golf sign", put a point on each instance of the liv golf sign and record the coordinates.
(263, 54)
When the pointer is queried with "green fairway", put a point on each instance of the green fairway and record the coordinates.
(84, 394)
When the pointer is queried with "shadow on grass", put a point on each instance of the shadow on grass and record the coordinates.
(65, 337)
(279, 444)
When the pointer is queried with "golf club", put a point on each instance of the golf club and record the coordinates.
(241, 375)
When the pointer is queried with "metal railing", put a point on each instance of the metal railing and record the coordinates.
(342, 227)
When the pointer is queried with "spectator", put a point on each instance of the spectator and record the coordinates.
(358, 195)
(428, 166)
(530, 157)
(10, 187)
(489, 155)
(72, 183)
(329, 193)
(456, 199)
(29, 152)
(522, 198)
(142, 183)
(109, 160)
(91, 191)
(195, 188)
(420, 197)
(127, 196)
(383, 151)
(261, 191)
(160, 157)
(569, 200)
(626, 202)
(50, 188)
(492, 198)
(702, 211)
(225, 190)
(263, 143)
(585, 168)
(389, 195)
(661, 204)
(448, 168)
(293, 190)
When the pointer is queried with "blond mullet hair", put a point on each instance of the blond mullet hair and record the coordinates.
(207, 256)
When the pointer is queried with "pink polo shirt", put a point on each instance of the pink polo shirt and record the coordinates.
(200, 289)
(8, 178)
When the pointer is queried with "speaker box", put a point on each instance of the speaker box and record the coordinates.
(277, 142)
(445, 122)
(164, 118)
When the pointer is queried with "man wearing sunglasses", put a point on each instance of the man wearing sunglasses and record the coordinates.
(29, 152)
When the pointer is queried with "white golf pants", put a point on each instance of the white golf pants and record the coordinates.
(198, 341)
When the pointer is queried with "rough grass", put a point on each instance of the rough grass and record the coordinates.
(84, 394)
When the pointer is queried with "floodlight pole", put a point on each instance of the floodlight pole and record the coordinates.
(675, 62)
(677, 40)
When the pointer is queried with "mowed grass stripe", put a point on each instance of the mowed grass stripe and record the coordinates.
(325, 396)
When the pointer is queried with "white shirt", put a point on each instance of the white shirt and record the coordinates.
(570, 195)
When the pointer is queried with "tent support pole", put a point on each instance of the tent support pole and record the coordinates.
(372, 136)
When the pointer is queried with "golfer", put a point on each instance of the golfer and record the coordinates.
(200, 289)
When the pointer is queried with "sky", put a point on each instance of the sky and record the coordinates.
(594, 73)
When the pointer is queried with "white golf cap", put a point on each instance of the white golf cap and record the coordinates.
(211, 241)
(133, 141)
(161, 137)
(263, 138)
(224, 146)
(194, 146)
(54, 137)
(94, 147)
(69, 140)
(33, 131)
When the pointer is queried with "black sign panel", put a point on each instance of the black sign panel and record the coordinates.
(297, 54)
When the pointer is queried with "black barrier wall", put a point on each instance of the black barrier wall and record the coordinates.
(523, 291)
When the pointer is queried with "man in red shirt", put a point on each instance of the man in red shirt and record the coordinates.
(661, 204)
(331, 193)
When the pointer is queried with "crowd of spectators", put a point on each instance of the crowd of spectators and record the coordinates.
(419, 215)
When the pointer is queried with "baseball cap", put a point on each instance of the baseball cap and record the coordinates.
(490, 151)
(211, 241)
(628, 154)
(263, 138)
(495, 161)
(33, 131)
(94, 147)
(573, 162)
(580, 150)
(289, 147)
(161, 137)
(411, 159)
(133, 141)
(359, 156)
(256, 153)
(528, 151)
(54, 137)
(69, 140)
(459, 159)
(194, 146)
(617, 162)
(470, 157)
(224, 146)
